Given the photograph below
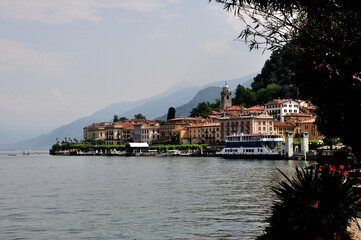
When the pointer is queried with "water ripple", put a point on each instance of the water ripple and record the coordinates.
(46, 197)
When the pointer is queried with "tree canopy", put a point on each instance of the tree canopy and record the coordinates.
(204, 109)
(171, 113)
(274, 81)
(139, 116)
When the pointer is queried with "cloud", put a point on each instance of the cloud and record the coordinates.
(52, 12)
(68, 11)
(19, 57)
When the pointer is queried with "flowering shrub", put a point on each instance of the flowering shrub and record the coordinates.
(315, 204)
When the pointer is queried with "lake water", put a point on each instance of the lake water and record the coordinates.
(57, 197)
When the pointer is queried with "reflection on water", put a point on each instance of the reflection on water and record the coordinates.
(135, 198)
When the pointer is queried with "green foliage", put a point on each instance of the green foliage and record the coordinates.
(313, 204)
(115, 118)
(139, 116)
(273, 72)
(314, 144)
(171, 113)
(86, 147)
(244, 96)
(204, 109)
(274, 81)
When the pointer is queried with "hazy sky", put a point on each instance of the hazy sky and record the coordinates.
(62, 60)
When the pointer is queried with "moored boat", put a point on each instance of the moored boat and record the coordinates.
(261, 146)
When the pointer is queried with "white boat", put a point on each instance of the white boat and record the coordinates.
(262, 146)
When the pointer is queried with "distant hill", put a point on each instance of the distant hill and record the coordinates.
(208, 94)
(183, 97)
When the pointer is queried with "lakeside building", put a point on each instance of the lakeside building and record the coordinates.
(278, 108)
(150, 133)
(312, 129)
(277, 116)
(283, 127)
(254, 110)
(167, 129)
(119, 133)
(297, 123)
(248, 124)
(139, 125)
(95, 131)
(208, 133)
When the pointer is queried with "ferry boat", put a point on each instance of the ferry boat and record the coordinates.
(261, 146)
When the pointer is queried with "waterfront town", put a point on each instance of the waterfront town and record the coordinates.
(275, 117)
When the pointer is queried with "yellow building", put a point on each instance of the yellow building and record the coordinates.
(283, 127)
(208, 133)
(311, 127)
(167, 129)
(95, 131)
(195, 133)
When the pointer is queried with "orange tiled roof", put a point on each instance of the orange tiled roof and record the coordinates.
(254, 108)
(234, 108)
(96, 125)
(283, 124)
(312, 120)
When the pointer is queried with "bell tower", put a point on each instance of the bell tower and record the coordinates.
(226, 97)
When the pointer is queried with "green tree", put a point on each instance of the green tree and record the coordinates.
(171, 113)
(265, 95)
(273, 72)
(203, 109)
(115, 118)
(139, 116)
(216, 105)
(244, 96)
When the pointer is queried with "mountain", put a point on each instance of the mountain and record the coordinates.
(182, 96)
(208, 94)
(150, 107)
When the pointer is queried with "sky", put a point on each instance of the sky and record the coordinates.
(63, 60)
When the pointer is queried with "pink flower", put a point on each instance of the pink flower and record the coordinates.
(315, 205)
(341, 167)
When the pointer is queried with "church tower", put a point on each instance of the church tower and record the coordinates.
(226, 97)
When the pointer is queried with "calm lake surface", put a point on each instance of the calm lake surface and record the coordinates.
(57, 197)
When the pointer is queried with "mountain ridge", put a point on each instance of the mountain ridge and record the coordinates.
(181, 97)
